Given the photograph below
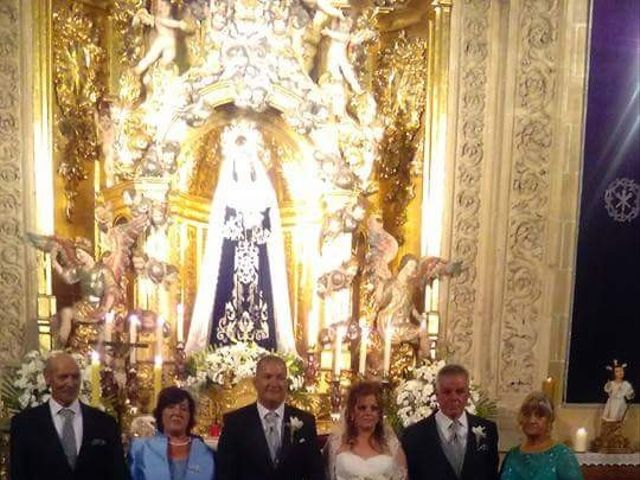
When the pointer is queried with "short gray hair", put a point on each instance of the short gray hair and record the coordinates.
(271, 358)
(452, 370)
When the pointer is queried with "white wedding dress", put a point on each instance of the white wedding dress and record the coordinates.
(346, 465)
(350, 466)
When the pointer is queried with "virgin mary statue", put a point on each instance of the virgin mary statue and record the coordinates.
(243, 293)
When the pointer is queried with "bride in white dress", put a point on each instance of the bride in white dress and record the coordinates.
(365, 448)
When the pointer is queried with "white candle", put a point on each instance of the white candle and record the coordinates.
(133, 337)
(337, 364)
(180, 324)
(364, 340)
(433, 324)
(157, 376)
(312, 332)
(108, 326)
(580, 440)
(388, 335)
(435, 293)
(427, 297)
(159, 330)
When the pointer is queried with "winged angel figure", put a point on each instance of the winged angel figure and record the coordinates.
(394, 295)
(101, 281)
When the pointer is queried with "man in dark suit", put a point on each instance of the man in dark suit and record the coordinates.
(269, 440)
(64, 439)
(452, 444)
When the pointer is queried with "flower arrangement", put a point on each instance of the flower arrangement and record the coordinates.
(27, 387)
(415, 397)
(227, 366)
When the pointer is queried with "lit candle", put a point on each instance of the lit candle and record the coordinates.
(159, 330)
(157, 376)
(337, 355)
(364, 340)
(133, 337)
(548, 388)
(180, 324)
(580, 440)
(108, 326)
(388, 335)
(96, 390)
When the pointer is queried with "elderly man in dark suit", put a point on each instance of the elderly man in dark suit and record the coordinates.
(269, 440)
(452, 444)
(64, 439)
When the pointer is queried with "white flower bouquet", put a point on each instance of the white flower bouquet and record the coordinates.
(26, 387)
(227, 366)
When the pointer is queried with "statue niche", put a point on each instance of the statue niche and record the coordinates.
(245, 276)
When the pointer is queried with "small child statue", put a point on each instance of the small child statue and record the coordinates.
(620, 392)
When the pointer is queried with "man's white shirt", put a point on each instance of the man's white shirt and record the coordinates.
(262, 411)
(443, 423)
(58, 420)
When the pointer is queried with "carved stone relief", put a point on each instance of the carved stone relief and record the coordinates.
(469, 155)
(12, 250)
(529, 196)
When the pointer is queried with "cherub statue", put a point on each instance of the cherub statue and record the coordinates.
(338, 64)
(167, 27)
(101, 281)
(104, 119)
(620, 392)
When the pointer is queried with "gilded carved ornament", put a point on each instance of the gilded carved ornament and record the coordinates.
(78, 61)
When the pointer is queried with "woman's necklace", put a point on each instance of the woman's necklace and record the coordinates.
(180, 444)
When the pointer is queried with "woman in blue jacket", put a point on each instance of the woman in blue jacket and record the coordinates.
(173, 453)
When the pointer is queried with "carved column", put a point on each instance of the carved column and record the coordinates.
(517, 77)
(15, 281)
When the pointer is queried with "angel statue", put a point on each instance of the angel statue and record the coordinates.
(397, 308)
(101, 281)
(383, 248)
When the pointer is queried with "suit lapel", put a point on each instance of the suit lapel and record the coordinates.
(51, 433)
(257, 431)
(436, 440)
(285, 440)
(87, 430)
(472, 448)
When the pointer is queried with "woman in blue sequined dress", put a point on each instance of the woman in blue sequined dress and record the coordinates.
(539, 457)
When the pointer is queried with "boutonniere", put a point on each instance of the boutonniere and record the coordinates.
(294, 424)
(481, 434)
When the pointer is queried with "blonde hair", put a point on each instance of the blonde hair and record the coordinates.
(536, 403)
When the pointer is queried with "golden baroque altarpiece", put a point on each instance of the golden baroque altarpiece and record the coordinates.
(397, 151)
(147, 100)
